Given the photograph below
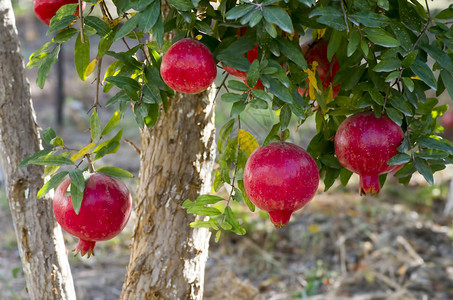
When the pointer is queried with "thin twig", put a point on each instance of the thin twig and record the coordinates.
(234, 172)
(98, 83)
(345, 16)
(90, 163)
(133, 146)
(82, 34)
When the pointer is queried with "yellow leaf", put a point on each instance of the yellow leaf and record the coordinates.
(198, 37)
(321, 33)
(416, 77)
(314, 228)
(247, 142)
(312, 81)
(91, 67)
(83, 151)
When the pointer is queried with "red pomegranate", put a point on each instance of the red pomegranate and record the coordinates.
(317, 51)
(105, 210)
(46, 9)
(364, 144)
(188, 67)
(280, 178)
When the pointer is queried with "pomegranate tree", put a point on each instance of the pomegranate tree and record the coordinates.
(188, 67)
(46, 9)
(280, 179)
(317, 52)
(105, 210)
(364, 144)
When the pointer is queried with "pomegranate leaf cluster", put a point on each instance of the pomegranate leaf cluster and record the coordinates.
(392, 57)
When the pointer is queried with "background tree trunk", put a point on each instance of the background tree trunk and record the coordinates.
(167, 256)
(39, 237)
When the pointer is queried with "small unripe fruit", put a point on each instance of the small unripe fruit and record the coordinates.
(364, 144)
(105, 210)
(280, 179)
(188, 67)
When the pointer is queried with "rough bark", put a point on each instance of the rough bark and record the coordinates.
(39, 237)
(167, 256)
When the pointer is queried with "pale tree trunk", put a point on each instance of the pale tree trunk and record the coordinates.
(167, 256)
(39, 237)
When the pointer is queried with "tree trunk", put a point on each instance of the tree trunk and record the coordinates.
(167, 256)
(39, 237)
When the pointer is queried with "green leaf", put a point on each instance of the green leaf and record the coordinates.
(182, 5)
(276, 15)
(370, 19)
(279, 90)
(239, 11)
(204, 224)
(354, 40)
(224, 133)
(395, 116)
(270, 29)
(409, 59)
(399, 159)
(51, 160)
(431, 154)
(35, 155)
(408, 83)
(335, 41)
(285, 116)
(77, 179)
(272, 133)
(384, 4)
(113, 122)
(60, 24)
(376, 96)
(149, 17)
(95, 126)
(448, 82)
(260, 94)
(127, 84)
(237, 108)
(246, 199)
(128, 27)
(203, 200)
(101, 27)
(431, 143)
(445, 14)
(57, 142)
(232, 220)
(204, 211)
(330, 16)
(424, 72)
(232, 98)
(422, 167)
(292, 52)
(76, 197)
(381, 37)
(237, 85)
(48, 135)
(115, 172)
(217, 236)
(401, 105)
(253, 73)
(52, 183)
(82, 56)
(44, 70)
(387, 65)
(345, 175)
(65, 35)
